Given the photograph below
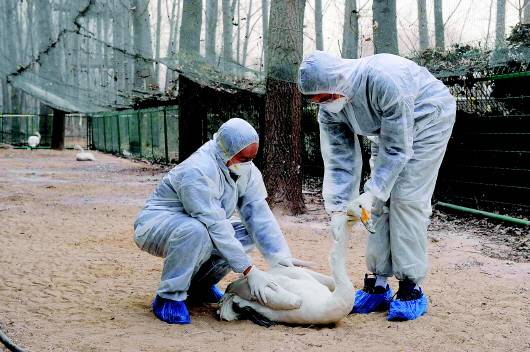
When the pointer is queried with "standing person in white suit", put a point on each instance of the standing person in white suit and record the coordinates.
(412, 115)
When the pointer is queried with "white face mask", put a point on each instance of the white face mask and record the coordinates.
(336, 105)
(241, 169)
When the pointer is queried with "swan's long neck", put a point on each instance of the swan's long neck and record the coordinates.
(337, 262)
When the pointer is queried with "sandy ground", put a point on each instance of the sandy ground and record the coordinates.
(71, 278)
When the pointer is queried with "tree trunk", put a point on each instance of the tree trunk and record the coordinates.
(58, 129)
(526, 12)
(350, 33)
(281, 130)
(238, 31)
(247, 34)
(157, 40)
(13, 50)
(192, 118)
(423, 25)
(265, 29)
(489, 25)
(211, 28)
(192, 113)
(228, 15)
(190, 28)
(6, 103)
(500, 27)
(144, 78)
(318, 25)
(173, 39)
(385, 28)
(439, 31)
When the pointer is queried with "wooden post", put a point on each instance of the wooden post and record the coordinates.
(58, 129)
(192, 116)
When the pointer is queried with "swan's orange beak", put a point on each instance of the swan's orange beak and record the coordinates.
(365, 216)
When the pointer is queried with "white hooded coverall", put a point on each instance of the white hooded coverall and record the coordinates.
(187, 218)
(412, 115)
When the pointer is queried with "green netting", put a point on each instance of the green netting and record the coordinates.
(150, 134)
(103, 55)
(16, 129)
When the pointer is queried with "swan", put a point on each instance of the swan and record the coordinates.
(34, 141)
(82, 155)
(304, 296)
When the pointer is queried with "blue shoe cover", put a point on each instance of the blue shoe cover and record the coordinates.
(371, 302)
(408, 310)
(211, 294)
(172, 312)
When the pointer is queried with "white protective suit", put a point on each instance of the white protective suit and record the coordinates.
(187, 218)
(412, 115)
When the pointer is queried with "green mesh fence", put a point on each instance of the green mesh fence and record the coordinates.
(15, 129)
(150, 134)
(487, 164)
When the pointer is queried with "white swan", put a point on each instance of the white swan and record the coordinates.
(304, 297)
(34, 141)
(82, 155)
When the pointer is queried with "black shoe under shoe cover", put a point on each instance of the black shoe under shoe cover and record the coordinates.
(407, 291)
(369, 286)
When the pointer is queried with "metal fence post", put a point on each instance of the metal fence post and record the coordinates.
(152, 139)
(165, 136)
(138, 122)
(118, 126)
(104, 134)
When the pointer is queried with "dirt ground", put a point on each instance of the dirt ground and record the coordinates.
(71, 278)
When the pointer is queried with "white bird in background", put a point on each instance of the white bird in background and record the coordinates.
(303, 296)
(82, 155)
(126, 153)
(34, 141)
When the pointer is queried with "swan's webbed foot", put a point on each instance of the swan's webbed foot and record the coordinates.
(247, 312)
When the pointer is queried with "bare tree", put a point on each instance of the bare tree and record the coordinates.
(173, 40)
(144, 73)
(265, 30)
(228, 18)
(281, 130)
(238, 42)
(350, 32)
(4, 38)
(247, 34)
(489, 24)
(439, 32)
(318, 25)
(385, 26)
(190, 27)
(500, 27)
(157, 40)
(192, 115)
(526, 12)
(211, 28)
(423, 24)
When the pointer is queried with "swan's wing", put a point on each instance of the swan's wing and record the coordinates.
(323, 279)
(277, 299)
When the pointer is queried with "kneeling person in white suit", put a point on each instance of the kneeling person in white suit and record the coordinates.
(187, 221)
